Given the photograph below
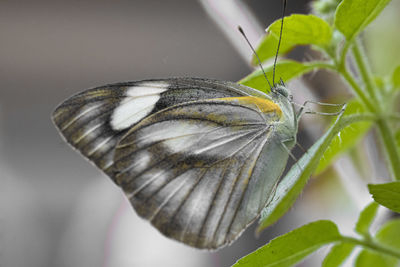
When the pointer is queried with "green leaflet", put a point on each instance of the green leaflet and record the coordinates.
(338, 254)
(299, 29)
(352, 16)
(396, 78)
(388, 195)
(366, 218)
(292, 247)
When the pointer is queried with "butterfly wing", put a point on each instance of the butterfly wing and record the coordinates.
(94, 120)
(191, 158)
(200, 171)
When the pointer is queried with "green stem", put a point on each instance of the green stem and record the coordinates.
(342, 60)
(357, 90)
(391, 147)
(346, 75)
(395, 117)
(322, 65)
(385, 131)
(360, 59)
(372, 245)
(342, 69)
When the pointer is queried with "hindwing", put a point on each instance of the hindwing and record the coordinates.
(193, 169)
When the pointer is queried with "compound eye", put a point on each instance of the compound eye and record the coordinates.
(282, 91)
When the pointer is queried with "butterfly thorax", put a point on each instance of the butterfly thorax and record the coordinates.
(289, 122)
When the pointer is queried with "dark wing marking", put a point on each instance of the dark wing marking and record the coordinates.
(94, 120)
(199, 171)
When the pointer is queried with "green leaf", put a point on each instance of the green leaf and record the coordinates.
(347, 137)
(303, 29)
(294, 181)
(387, 195)
(396, 77)
(388, 235)
(268, 46)
(366, 218)
(285, 69)
(338, 254)
(372, 259)
(294, 246)
(298, 29)
(352, 16)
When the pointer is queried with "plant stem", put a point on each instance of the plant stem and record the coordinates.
(357, 89)
(346, 75)
(383, 126)
(360, 59)
(385, 131)
(342, 60)
(372, 245)
(370, 100)
(394, 116)
(391, 147)
(322, 65)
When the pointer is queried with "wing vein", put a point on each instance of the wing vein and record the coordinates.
(167, 199)
(213, 199)
(78, 116)
(247, 184)
(232, 190)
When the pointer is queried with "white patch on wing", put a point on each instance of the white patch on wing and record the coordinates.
(181, 144)
(131, 111)
(172, 130)
(177, 136)
(147, 88)
(138, 103)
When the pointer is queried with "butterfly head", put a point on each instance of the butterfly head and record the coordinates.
(283, 97)
(280, 90)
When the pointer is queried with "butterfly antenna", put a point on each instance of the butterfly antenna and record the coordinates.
(279, 42)
(254, 52)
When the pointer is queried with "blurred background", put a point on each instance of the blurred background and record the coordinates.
(56, 209)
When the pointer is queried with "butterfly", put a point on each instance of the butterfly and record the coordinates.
(198, 158)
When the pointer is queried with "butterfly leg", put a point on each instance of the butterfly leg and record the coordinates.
(287, 149)
(303, 109)
(291, 154)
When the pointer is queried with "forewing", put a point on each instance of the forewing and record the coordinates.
(94, 121)
(199, 171)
